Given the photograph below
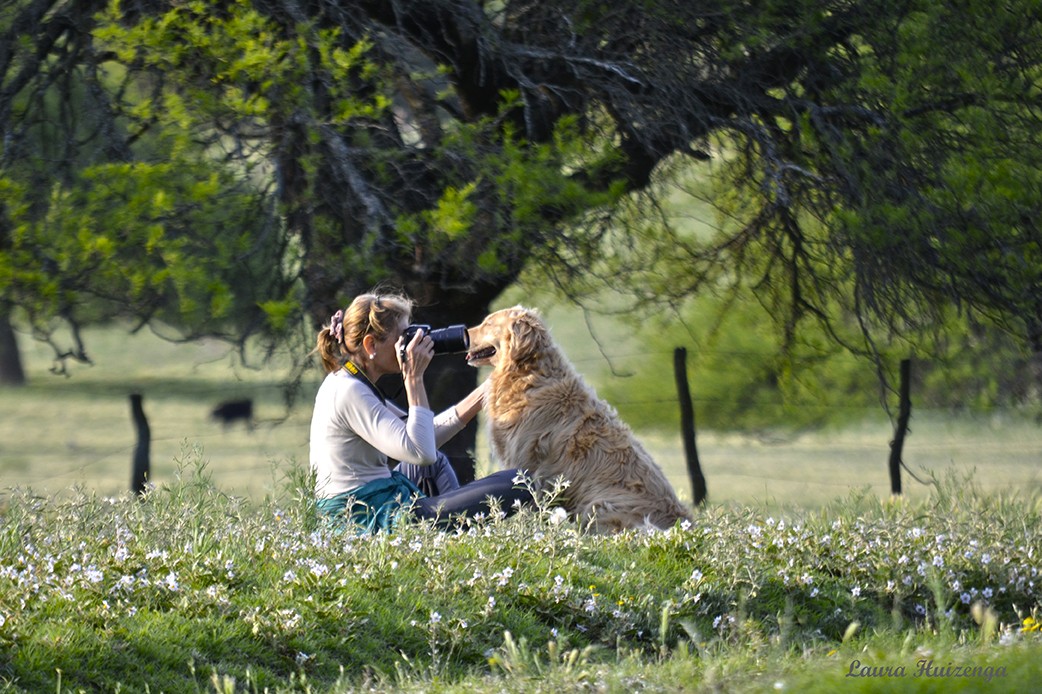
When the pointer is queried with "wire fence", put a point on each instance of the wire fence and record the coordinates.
(87, 440)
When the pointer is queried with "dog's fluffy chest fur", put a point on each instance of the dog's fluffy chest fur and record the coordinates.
(537, 420)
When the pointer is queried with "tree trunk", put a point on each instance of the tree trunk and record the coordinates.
(11, 371)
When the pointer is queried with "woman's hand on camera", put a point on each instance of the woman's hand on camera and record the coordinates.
(415, 356)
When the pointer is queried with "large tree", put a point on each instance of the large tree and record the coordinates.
(879, 154)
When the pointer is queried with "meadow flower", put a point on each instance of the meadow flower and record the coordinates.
(290, 619)
(965, 597)
(435, 618)
(504, 576)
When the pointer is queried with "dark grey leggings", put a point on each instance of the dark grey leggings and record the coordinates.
(472, 498)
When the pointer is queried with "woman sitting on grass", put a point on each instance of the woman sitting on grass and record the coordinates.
(356, 431)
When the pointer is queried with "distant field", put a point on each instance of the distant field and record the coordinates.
(59, 432)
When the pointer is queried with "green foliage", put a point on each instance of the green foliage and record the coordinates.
(139, 238)
(251, 69)
(506, 207)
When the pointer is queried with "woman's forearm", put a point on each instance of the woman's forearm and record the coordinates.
(469, 406)
(416, 392)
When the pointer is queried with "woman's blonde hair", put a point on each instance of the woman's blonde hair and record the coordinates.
(369, 314)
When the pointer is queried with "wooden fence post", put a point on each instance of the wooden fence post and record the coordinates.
(903, 414)
(687, 426)
(140, 474)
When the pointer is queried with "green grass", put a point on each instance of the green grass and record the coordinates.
(193, 589)
(61, 432)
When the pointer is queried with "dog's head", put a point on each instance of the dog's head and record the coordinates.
(512, 334)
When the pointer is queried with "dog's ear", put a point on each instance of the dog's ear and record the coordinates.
(528, 337)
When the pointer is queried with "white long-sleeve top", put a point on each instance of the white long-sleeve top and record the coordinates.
(353, 434)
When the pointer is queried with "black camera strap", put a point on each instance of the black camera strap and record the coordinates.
(350, 368)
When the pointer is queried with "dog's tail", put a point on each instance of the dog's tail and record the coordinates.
(670, 516)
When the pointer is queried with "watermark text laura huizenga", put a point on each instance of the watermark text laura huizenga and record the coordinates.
(926, 667)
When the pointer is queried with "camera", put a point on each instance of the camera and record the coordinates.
(450, 340)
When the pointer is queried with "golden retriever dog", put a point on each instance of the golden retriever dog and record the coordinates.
(545, 419)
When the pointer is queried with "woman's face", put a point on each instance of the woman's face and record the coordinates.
(385, 359)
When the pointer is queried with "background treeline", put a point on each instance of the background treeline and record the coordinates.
(867, 174)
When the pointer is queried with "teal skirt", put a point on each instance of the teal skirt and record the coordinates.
(374, 506)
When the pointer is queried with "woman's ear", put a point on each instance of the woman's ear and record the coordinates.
(369, 345)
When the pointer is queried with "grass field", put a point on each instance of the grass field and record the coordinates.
(193, 590)
(800, 575)
(63, 432)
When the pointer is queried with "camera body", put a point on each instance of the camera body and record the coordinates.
(449, 340)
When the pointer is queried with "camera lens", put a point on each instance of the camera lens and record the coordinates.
(450, 340)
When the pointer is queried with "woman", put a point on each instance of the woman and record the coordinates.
(356, 431)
